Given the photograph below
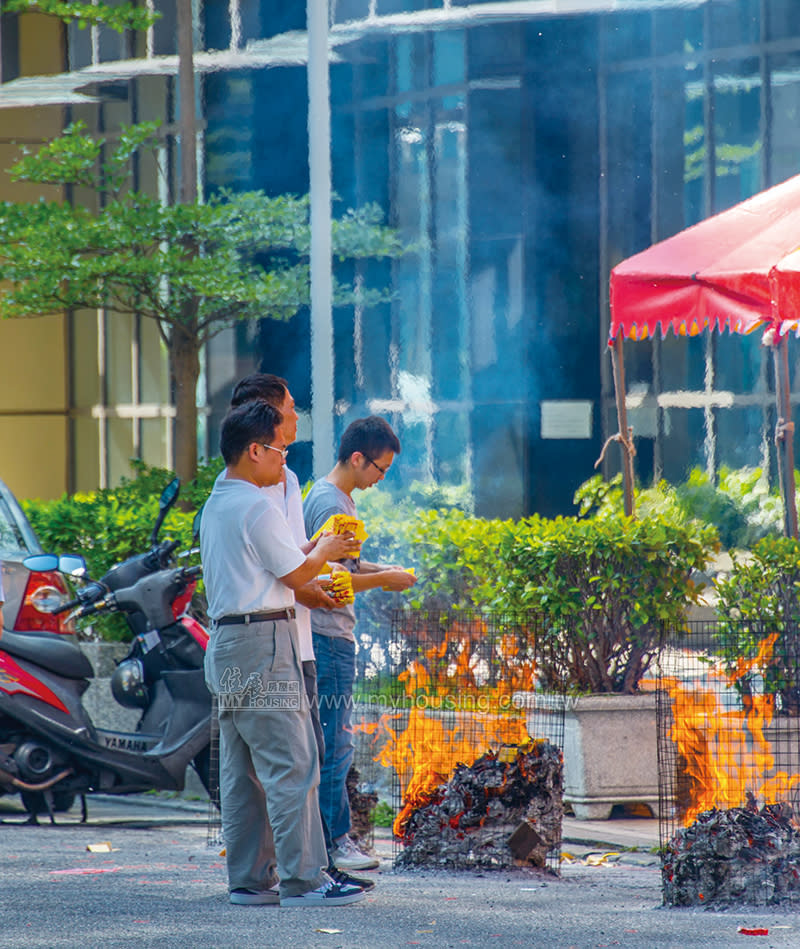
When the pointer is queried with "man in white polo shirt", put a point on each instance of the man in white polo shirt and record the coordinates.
(287, 496)
(269, 772)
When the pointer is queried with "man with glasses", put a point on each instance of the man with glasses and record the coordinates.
(269, 769)
(287, 498)
(366, 453)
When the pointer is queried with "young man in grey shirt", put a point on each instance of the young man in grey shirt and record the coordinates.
(366, 452)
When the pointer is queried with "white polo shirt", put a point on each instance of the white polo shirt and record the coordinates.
(288, 498)
(245, 545)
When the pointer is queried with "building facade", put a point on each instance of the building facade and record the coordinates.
(522, 149)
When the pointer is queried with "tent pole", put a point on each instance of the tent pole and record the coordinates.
(784, 436)
(626, 434)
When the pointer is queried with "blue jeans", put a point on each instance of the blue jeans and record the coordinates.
(310, 680)
(336, 668)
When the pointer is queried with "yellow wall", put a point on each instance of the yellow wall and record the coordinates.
(34, 451)
(33, 355)
(33, 406)
(41, 45)
(60, 376)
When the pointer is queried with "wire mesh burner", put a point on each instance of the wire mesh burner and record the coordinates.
(464, 706)
(729, 764)
(214, 824)
(459, 700)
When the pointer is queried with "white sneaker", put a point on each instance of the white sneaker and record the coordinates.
(329, 894)
(347, 856)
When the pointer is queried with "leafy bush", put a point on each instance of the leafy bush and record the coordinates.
(761, 598)
(383, 815)
(108, 525)
(762, 507)
(742, 506)
(609, 584)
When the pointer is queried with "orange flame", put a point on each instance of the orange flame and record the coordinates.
(726, 754)
(459, 710)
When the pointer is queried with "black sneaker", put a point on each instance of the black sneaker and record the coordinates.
(328, 894)
(242, 896)
(347, 879)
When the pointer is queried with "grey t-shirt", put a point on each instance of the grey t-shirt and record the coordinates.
(323, 500)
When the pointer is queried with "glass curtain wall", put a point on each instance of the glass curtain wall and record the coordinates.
(521, 158)
(699, 118)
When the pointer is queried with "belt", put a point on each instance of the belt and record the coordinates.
(233, 618)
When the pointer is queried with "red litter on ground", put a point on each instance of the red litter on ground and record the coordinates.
(752, 932)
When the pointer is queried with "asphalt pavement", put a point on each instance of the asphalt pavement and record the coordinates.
(156, 881)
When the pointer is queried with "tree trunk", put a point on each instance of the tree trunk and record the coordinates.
(184, 346)
(184, 354)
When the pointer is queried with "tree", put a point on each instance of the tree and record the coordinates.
(119, 17)
(195, 269)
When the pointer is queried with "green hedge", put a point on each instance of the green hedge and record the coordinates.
(741, 505)
(611, 579)
(607, 583)
(108, 525)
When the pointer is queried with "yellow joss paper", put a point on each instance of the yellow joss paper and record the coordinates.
(341, 524)
(338, 585)
(405, 570)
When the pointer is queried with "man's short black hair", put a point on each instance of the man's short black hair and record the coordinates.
(244, 424)
(260, 385)
(372, 436)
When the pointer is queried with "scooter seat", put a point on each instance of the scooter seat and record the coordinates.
(50, 651)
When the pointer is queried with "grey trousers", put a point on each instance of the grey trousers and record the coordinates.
(269, 765)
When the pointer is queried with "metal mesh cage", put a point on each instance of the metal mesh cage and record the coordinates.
(465, 705)
(214, 824)
(729, 764)
(448, 716)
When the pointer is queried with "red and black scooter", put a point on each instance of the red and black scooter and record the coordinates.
(50, 750)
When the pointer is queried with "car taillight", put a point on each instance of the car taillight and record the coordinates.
(43, 592)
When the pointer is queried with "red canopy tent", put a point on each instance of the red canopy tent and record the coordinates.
(738, 270)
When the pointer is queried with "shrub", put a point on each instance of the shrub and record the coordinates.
(403, 531)
(761, 597)
(609, 584)
(108, 525)
(741, 506)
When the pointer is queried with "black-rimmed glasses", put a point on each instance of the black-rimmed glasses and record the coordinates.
(382, 470)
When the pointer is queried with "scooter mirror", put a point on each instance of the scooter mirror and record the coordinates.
(165, 502)
(72, 564)
(196, 523)
(40, 562)
(170, 493)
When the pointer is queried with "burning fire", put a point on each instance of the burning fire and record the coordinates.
(457, 664)
(726, 753)
(459, 709)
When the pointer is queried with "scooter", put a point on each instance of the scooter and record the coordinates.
(50, 750)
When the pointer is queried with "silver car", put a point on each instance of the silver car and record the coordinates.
(28, 596)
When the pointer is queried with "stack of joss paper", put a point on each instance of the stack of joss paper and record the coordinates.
(338, 584)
